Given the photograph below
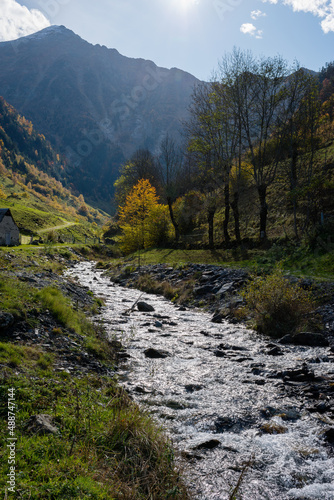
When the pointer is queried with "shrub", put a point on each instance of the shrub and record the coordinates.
(278, 306)
(52, 237)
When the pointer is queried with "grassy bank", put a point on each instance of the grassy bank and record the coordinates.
(299, 260)
(100, 445)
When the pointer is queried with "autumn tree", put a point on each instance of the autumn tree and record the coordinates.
(141, 165)
(142, 220)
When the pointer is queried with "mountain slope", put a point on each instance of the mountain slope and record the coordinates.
(27, 184)
(96, 105)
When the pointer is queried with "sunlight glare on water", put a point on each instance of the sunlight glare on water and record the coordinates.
(219, 399)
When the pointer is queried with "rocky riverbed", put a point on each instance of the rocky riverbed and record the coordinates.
(239, 407)
(217, 290)
(67, 346)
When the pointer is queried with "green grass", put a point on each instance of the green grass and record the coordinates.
(25, 357)
(299, 260)
(16, 297)
(62, 310)
(106, 448)
(178, 257)
(39, 218)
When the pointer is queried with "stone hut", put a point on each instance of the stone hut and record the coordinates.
(9, 232)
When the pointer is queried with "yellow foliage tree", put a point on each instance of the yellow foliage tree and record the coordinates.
(144, 223)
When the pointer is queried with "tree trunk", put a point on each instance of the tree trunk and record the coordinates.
(236, 215)
(262, 191)
(172, 218)
(211, 215)
(293, 186)
(227, 212)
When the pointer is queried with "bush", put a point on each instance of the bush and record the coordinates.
(278, 306)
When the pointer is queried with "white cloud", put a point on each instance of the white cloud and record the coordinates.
(17, 20)
(320, 8)
(316, 7)
(257, 13)
(328, 23)
(250, 29)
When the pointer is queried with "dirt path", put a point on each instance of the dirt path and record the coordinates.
(56, 228)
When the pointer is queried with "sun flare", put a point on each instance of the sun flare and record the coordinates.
(185, 5)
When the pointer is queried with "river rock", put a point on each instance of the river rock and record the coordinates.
(228, 287)
(193, 387)
(219, 354)
(223, 424)
(156, 353)
(209, 444)
(6, 320)
(273, 427)
(329, 435)
(40, 424)
(304, 374)
(203, 290)
(305, 338)
(275, 351)
(322, 407)
(144, 307)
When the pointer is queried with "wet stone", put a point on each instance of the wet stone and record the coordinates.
(219, 354)
(144, 307)
(222, 424)
(141, 390)
(207, 445)
(275, 351)
(329, 435)
(218, 318)
(273, 427)
(305, 338)
(320, 408)
(193, 387)
(156, 353)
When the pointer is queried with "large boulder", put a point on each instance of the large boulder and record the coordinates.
(156, 353)
(144, 307)
(306, 338)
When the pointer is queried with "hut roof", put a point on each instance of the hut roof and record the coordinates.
(3, 212)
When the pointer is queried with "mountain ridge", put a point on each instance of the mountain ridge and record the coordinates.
(94, 104)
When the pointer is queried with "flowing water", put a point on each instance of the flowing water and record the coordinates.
(218, 394)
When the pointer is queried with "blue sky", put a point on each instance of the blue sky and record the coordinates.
(189, 34)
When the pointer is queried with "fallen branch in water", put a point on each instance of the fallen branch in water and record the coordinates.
(130, 309)
(233, 495)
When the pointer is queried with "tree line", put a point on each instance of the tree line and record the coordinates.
(258, 142)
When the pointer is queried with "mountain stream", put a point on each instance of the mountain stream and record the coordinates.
(224, 396)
